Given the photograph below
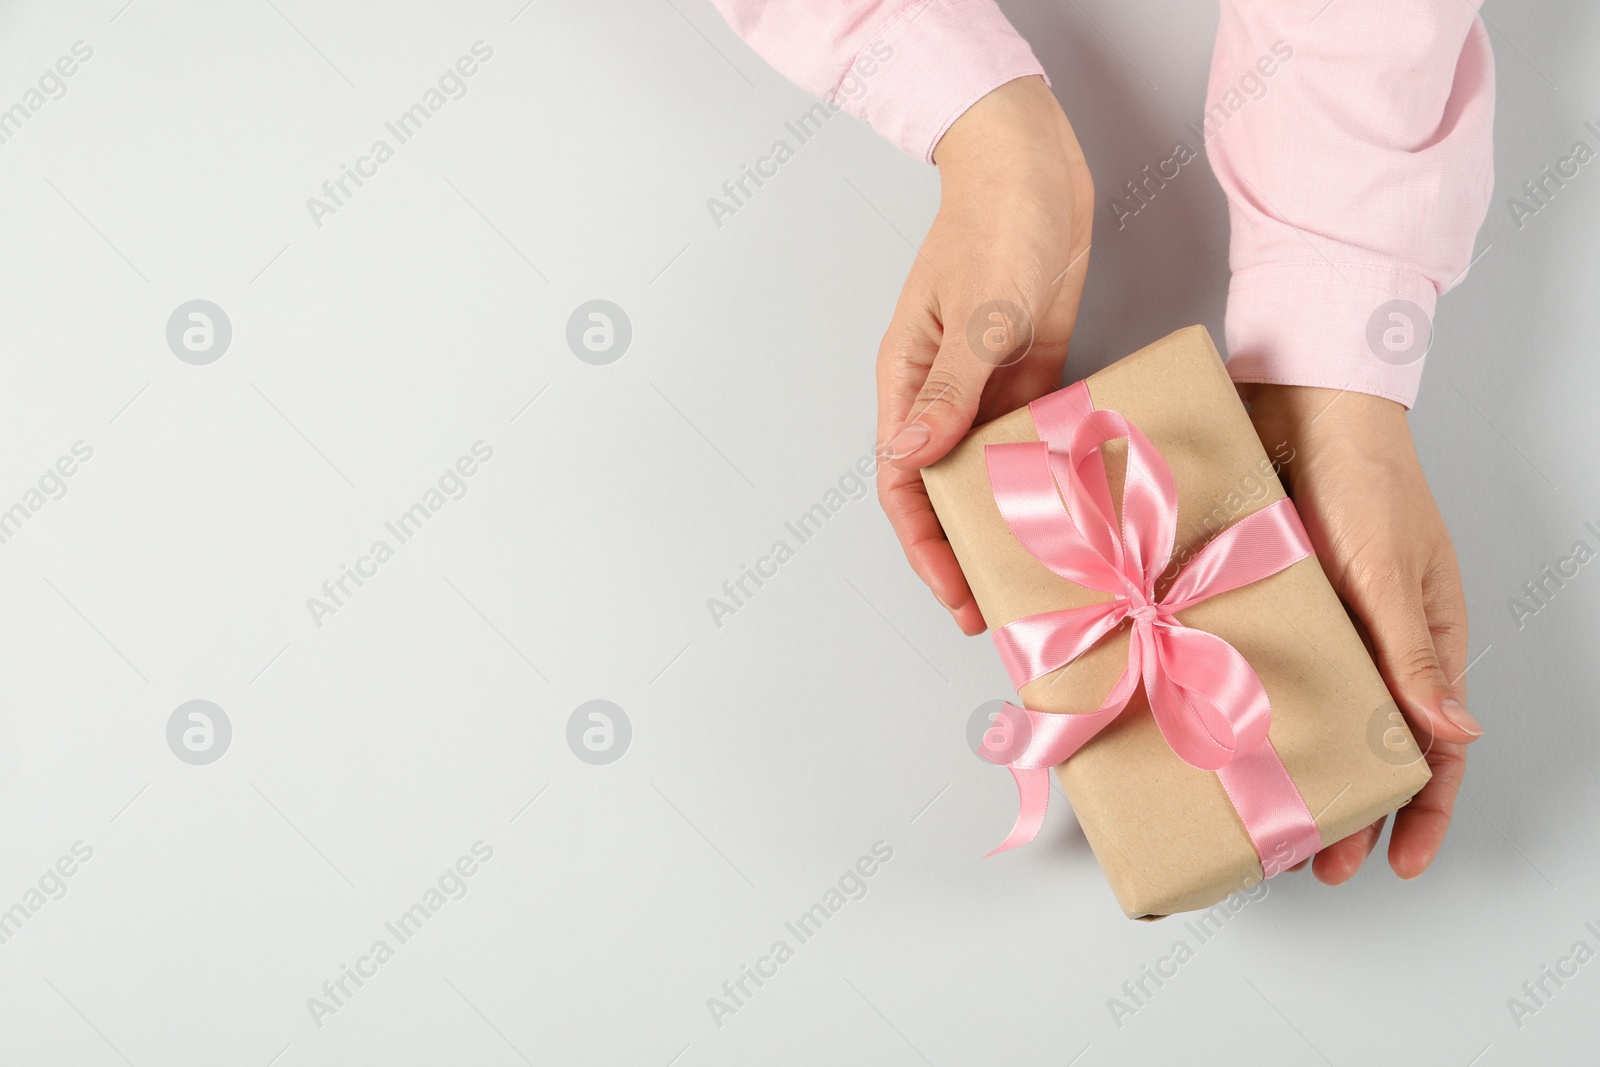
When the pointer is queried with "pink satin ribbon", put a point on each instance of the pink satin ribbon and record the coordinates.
(1207, 701)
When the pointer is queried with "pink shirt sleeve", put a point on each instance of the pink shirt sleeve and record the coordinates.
(909, 68)
(1354, 143)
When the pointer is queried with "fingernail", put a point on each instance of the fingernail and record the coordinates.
(1456, 713)
(911, 437)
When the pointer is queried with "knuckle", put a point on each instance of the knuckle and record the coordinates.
(1439, 795)
(1442, 585)
(1449, 769)
(944, 392)
(897, 347)
(1381, 577)
(1421, 664)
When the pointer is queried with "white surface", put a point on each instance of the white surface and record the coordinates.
(767, 755)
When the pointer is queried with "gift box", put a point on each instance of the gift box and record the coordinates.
(1129, 534)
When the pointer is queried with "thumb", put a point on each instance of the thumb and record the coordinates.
(1398, 623)
(988, 336)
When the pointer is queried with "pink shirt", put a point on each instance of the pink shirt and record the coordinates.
(1357, 173)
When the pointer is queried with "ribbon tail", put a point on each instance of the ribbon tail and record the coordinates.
(1270, 806)
(1033, 795)
(1046, 740)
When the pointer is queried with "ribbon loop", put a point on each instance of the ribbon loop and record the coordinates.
(1025, 486)
(1206, 699)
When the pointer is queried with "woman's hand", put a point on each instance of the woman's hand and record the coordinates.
(1359, 488)
(983, 321)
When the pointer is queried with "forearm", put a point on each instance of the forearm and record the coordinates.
(1357, 173)
(909, 69)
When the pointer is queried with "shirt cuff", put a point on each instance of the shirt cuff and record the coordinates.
(943, 57)
(1364, 328)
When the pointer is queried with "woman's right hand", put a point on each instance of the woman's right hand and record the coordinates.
(983, 322)
(1359, 487)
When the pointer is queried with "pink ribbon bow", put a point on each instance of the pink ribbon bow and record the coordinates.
(1207, 701)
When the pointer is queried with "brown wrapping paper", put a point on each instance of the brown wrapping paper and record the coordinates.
(1164, 832)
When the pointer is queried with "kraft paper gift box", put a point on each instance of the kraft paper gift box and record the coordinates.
(1165, 833)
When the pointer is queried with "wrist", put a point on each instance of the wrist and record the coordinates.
(1317, 422)
(1304, 404)
(1017, 130)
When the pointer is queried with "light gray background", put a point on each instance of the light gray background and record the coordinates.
(768, 755)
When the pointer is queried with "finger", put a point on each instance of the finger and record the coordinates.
(944, 408)
(984, 328)
(905, 355)
(1395, 614)
(1445, 602)
(1339, 862)
(905, 502)
(908, 360)
(1420, 826)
